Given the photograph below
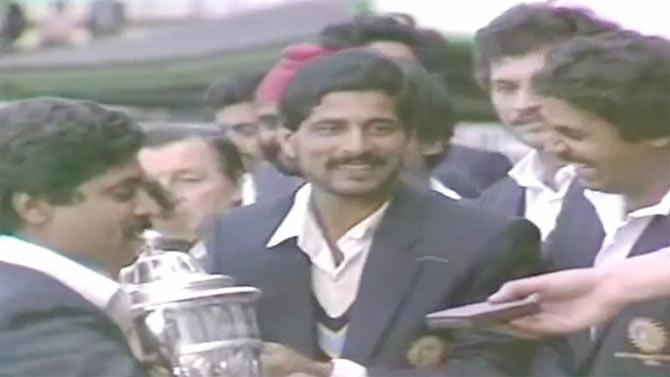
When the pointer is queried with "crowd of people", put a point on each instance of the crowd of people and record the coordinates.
(330, 183)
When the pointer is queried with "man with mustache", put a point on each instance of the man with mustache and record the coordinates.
(72, 205)
(353, 261)
(509, 51)
(607, 101)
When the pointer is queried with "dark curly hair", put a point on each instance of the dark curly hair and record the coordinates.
(529, 27)
(234, 89)
(348, 70)
(50, 146)
(429, 46)
(622, 77)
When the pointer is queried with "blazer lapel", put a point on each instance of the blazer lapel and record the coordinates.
(655, 236)
(388, 276)
(285, 291)
(512, 199)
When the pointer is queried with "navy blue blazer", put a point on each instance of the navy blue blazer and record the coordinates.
(575, 243)
(504, 196)
(271, 184)
(469, 171)
(429, 253)
(48, 330)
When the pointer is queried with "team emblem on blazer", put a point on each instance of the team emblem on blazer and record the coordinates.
(650, 338)
(647, 335)
(428, 351)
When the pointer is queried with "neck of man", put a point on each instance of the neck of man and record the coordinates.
(551, 165)
(650, 191)
(337, 213)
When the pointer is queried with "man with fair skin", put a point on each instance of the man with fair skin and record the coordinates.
(509, 51)
(71, 213)
(352, 262)
(607, 102)
(201, 171)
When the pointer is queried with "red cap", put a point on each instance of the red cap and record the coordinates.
(276, 81)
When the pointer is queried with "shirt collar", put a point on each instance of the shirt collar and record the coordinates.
(93, 286)
(611, 208)
(437, 186)
(299, 221)
(528, 173)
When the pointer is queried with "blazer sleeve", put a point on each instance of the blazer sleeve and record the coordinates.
(65, 341)
(514, 253)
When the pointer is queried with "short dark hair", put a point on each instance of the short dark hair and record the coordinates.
(622, 77)
(434, 117)
(232, 90)
(348, 70)
(230, 159)
(529, 27)
(51, 146)
(429, 46)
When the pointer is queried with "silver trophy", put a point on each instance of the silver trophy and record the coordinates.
(190, 323)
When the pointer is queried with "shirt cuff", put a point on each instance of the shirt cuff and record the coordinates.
(347, 368)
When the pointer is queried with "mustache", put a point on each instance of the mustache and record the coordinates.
(368, 159)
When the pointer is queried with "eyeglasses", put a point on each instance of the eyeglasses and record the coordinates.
(243, 129)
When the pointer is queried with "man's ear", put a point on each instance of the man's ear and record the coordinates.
(32, 210)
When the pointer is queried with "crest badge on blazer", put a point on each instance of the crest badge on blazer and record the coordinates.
(651, 341)
(428, 351)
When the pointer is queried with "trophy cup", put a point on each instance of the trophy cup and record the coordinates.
(189, 323)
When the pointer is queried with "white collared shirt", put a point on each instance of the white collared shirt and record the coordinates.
(437, 186)
(248, 189)
(622, 230)
(93, 286)
(542, 202)
(335, 287)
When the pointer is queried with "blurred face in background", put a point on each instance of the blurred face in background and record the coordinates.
(240, 123)
(515, 101)
(190, 170)
(271, 135)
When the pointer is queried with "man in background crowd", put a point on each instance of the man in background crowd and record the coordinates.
(509, 51)
(233, 101)
(71, 212)
(202, 172)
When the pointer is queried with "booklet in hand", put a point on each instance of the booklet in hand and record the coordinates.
(482, 314)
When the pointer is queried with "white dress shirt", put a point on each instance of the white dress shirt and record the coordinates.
(334, 286)
(622, 229)
(543, 203)
(93, 286)
(248, 189)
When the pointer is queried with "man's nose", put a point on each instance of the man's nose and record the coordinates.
(527, 102)
(356, 142)
(557, 147)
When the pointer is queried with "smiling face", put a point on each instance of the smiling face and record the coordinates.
(515, 101)
(604, 161)
(103, 221)
(351, 144)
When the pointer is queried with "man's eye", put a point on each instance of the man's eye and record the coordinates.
(124, 194)
(247, 129)
(326, 128)
(383, 128)
(504, 87)
(190, 178)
